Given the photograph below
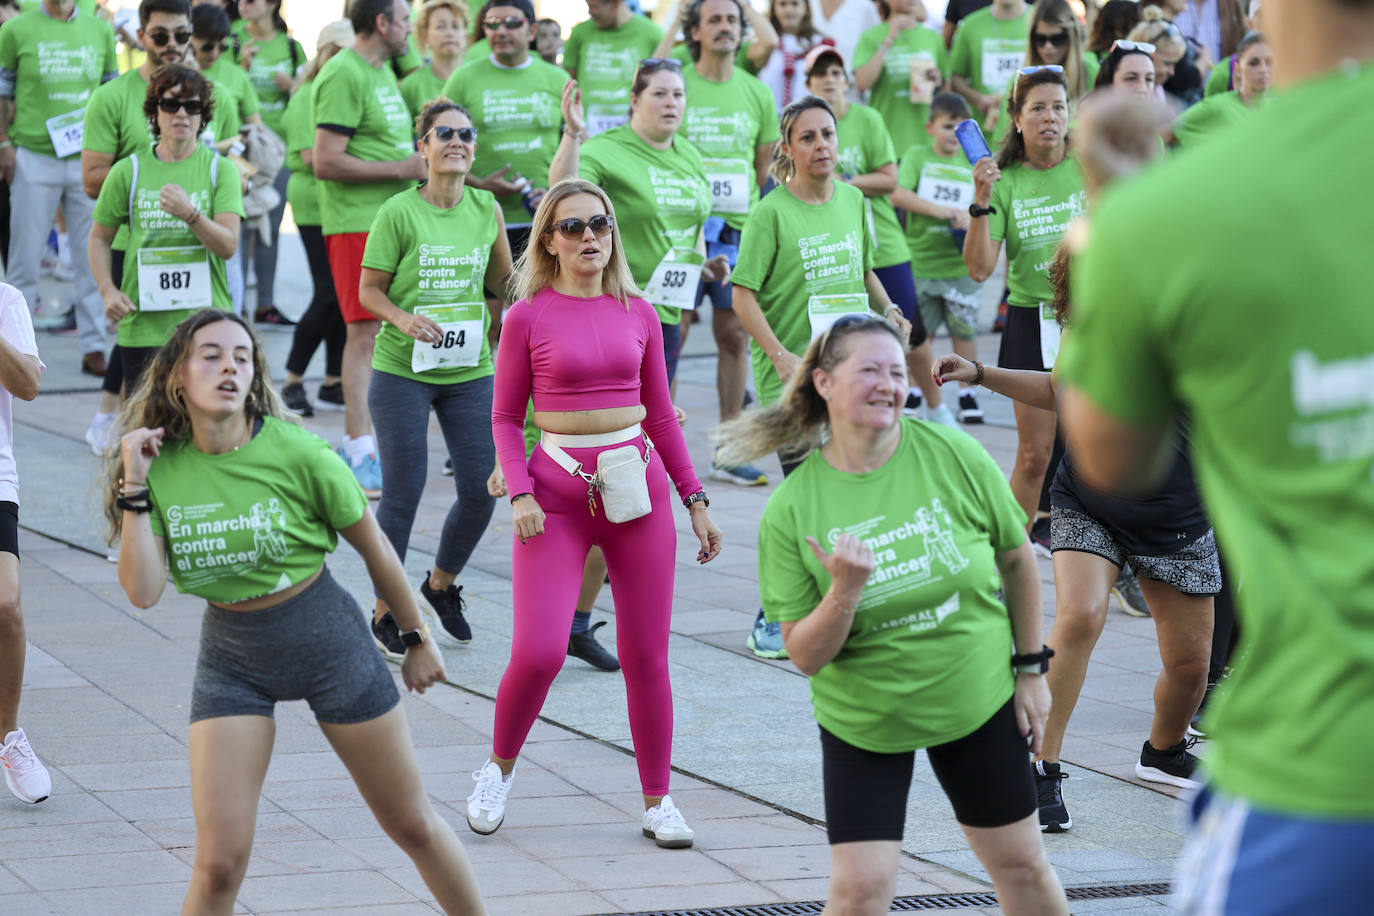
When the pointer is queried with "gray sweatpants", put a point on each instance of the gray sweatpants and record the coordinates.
(40, 183)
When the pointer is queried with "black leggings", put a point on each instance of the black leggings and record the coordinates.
(1225, 630)
(323, 320)
(114, 366)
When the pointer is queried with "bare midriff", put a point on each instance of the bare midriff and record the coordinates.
(589, 422)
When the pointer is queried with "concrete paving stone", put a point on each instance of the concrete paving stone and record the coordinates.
(71, 807)
(72, 751)
(102, 901)
(143, 774)
(303, 738)
(695, 804)
(1119, 687)
(559, 810)
(64, 872)
(1119, 905)
(302, 857)
(658, 868)
(718, 621)
(755, 832)
(305, 794)
(777, 863)
(555, 755)
(616, 777)
(565, 903)
(517, 876)
(393, 909)
(141, 804)
(306, 765)
(326, 889)
(548, 843)
(342, 823)
(725, 894)
(530, 782)
(270, 827)
(10, 885)
(53, 840)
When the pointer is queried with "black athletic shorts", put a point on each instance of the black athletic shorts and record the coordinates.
(1020, 347)
(9, 527)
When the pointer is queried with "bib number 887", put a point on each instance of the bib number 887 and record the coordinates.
(451, 339)
(174, 279)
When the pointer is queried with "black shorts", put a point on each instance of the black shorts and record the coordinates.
(136, 360)
(1020, 347)
(986, 776)
(9, 527)
(517, 238)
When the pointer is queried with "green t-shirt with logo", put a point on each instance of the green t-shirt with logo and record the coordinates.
(116, 126)
(302, 190)
(253, 521)
(226, 121)
(913, 49)
(661, 200)
(56, 66)
(231, 76)
(1219, 80)
(988, 51)
(792, 251)
(279, 54)
(518, 116)
(1214, 116)
(1034, 208)
(604, 62)
(1263, 335)
(351, 93)
(438, 261)
(181, 275)
(946, 181)
(866, 147)
(928, 656)
(420, 88)
(727, 122)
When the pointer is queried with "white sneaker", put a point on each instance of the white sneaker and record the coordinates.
(100, 434)
(487, 803)
(666, 825)
(943, 415)
(26, 777)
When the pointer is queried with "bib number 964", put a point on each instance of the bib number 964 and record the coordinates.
(452, 339)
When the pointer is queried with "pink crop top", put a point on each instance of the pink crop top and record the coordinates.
(583, 354)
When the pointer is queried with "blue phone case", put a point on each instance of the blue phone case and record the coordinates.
(971, 139)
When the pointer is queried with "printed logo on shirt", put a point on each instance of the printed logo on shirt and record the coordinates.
(716, 134)
(1038, 218)
(675, 192)
(1336, 400)
(58, 60)
(445, 270)
(396, 114)
(153, 219)
(920, 621)
(608, 64)
(502, 109)
(198, 538)
(898, 567)
(827, 261)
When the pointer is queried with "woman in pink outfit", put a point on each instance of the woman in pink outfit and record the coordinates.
(590, 352)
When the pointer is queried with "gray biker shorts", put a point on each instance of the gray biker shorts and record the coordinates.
(315, 647)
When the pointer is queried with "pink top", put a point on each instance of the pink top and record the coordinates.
(583, 354)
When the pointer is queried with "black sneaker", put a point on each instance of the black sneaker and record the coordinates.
(1173, 766)
(913, 402)
(270, 315)
(1049, 797)
(388, 637)
(293, 394)
(449, 605)
(969, 411)
(584, 646)
(1040, 536)
(447, 469)
(331, 396)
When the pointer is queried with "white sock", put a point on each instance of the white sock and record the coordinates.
(358, 449)
(102, 418)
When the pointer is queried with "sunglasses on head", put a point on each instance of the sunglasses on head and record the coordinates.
(172, 106)
(1052, 68)
(161, 37)
(208, 46)
(510, 22)
(852, 320)
(1128, 45)
(1058, 39)
(601, 225)
(660, 63)
(446, 133)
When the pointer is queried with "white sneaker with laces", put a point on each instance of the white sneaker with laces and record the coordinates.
(666, 826)
(487, 803)
(100, 434)
(26, 777)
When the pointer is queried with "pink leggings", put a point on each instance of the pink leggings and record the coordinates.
(547, 574)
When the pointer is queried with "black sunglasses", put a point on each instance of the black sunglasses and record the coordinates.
(1058, 39)
(161, 37)
(601, 225)
(445, 133)
(207, 47)
(193, 107)
(510, 22)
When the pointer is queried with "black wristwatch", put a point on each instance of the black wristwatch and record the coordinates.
(412, 638)
(976, 211)
(1033, 662)
(698, 497)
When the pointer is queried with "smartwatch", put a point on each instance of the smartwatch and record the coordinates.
(412, 638)
(976, 211)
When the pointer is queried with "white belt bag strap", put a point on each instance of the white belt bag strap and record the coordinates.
(621, 473)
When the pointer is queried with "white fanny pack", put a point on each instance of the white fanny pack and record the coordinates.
(621, 473)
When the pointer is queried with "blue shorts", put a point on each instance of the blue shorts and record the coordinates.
(720, 240)
(1240, 861)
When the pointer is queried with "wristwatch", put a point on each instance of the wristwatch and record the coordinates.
(976, 211)
(412, 638)
(698, 497)
(1033, 662)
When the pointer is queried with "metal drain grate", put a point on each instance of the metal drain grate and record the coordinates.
(917, 902)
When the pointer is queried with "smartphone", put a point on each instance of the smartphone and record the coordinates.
(971, 139)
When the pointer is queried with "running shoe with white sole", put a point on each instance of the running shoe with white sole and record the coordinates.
(665, 825)
(942, 415)
(368, 473)
(25, 775)
(1049, 797)
(330, 396)
(1127, 591)
(487, 803)
(969, 411)
(448, 605)
(1172, 766)
(912, 406)
(744, 475)
(765, 640)
(387, 635)
(294, 397)
(100, 434)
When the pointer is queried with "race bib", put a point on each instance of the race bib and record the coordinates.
(1049, 335)
(602, 118)
(945, 185)
(170, 279)
(824, 311)
(66, 131)
(674, 283)
(729, 181)
(921, 86)
(1002, 57)
(460, 323)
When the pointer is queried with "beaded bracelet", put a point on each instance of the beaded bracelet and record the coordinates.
(978, 379)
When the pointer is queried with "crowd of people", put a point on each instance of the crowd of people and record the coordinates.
(516, 231)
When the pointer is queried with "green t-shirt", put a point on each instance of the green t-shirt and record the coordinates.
(302, 190)
(945, 182)
(1034, 208)
(1219, 80)
(928, 655)
(866, 147)
(181, 275)
(115, 124)
(351, 93)
(604, 62)
(727, 122)
(988, 51)
(517, 113)
(792, 251)
(253, 521)
(1279, 394)
(231, 76)
(438, 262)
(87, 7)
(661, 200)
(226, 122)
(918, 48)
(280, 54)
(56, 65)
(420, 88)
(412, 60)
(1214, 116)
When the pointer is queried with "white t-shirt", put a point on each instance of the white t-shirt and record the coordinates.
(16, 327)
(774, 73)
(851, 20)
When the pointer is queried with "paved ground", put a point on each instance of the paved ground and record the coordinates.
(105, 705)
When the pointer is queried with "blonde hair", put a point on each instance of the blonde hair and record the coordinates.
(1155, 28)
(1058, 13)
(536, 267)
(781, 167)
(796, 423)
(458, 8)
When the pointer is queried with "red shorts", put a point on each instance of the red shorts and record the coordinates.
(346, 266)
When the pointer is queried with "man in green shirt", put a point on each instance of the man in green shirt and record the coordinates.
(51, 59)
(1280, 400)
(364, 154)
(209, 42)
(602, 53)
(989, 47)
